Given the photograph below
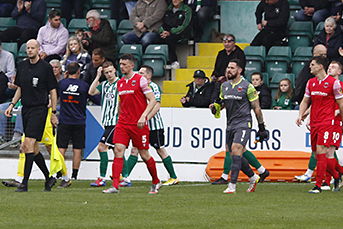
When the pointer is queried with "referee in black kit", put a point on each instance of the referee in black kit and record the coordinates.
(35, 81)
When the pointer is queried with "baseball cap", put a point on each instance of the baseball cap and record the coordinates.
(199, 74)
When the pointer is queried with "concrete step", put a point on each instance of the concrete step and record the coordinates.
(212, 49)
(175, 87)
(186, 74)
(171, 100)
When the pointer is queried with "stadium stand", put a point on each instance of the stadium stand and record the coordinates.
(300, 57)
(123, 27)
(156, 56)
(76, 23)
(11, 47)
(278, 60)
(21, 53)
(300, 34)
(318, 29)
(136, 51)
(255, 56)
(6, 22)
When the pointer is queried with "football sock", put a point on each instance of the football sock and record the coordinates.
(29, 158)
(235, 168)
(66, 178)
(227, 163)
(312, 163)
(331, 167)
(103, 163)
(131, 162)
(124, 172)
(321, 169)
(309, 172)
(252, 160)
(151, 164)
(168, 164)
(261, 169)
(327, 178)
(117, 167)
(19, 179)
(74, 174)
(225, 176)
(246, 168)
(39, 160)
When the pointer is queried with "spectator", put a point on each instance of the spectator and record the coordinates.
(264, 94)
(176, 26)
(3, 87)
(199, 92)
(76, 53)
(30, 16)
(304, 75)
(119, 10)
(91, 68)
(313, 10)
(7, 64)
(331, 37)
(284, 96)
(80, 34)
(100, 35)
(146, 19)
(273, 29)
(230, 51)
(70, 6)
(6, 7)
(52, 38)
(203, 10)
(57, 69)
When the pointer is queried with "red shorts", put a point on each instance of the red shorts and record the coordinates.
(124, 133)
(328, 135)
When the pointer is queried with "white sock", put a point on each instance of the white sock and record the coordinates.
(65, 178)
(225, 176)
(261, 169)
(102, 178)
(253, 178)
(19, 179)
(309, 173)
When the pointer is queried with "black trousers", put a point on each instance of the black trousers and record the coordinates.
(68, 6)
(268, 39)
(14, 34)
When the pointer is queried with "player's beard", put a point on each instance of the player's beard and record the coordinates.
(231, 77)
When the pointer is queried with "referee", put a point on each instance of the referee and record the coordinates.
(35, 81)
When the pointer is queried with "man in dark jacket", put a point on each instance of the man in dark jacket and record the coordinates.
(313, 9)
(199, 93)
(100, 35)
(274, 26)
(30, 16)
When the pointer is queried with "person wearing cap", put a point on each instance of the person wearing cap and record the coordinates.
(199, 92)
(30, 15)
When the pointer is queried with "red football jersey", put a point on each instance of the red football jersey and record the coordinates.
(323, 94)
(132, 98)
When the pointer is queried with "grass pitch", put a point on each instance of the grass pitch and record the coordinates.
(187, 205)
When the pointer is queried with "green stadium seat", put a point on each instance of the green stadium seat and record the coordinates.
(96, 4)
(301, 56)
(105, 13)
(11, 47)
(274, 83)
(255, 56)
(319, 28)
(341, 78)
(22, 52)
(76, 23)
(113, 24)
(300, 34)
(278, 60)
(53, 3)
(6, 22)
(156, 56)
(136, 50)
(123, 27)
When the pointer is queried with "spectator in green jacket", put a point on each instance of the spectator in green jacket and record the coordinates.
(284, 96)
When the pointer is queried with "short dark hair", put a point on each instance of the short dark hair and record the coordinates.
(332, 62)
(149, 69)
(107, 64)
(54, 13)
(237, 61)
(321, 60)
(257, 73)
(98, 52)
(73, 68)
(128, 56)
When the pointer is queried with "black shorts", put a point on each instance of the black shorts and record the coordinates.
(74, 133)
(34, 119)
(239, 135)
(107, 137)
(157, 138)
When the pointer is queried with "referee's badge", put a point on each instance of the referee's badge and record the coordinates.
(35, 81)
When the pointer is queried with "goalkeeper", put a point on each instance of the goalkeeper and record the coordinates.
(238, 96)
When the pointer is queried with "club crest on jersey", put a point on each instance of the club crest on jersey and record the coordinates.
(326, 85)
(133, 82)
(239, 89)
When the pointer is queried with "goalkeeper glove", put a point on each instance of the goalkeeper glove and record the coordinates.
(262, 133)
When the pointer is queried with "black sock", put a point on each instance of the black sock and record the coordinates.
(39, 159)
(58, 174)
(29, 157)
(235, 168)
(75, 172)
(246, 168)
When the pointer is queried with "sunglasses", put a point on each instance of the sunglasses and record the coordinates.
(228, 40)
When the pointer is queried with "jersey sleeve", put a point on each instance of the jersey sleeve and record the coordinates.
(252, 93)
(99, 87)
(156, 90)
(337, 90)
(307, 90)
(144, 85)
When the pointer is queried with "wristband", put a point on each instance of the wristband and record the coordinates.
(11, 104)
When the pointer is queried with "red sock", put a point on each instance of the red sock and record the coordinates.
(321, 169)
(151, 164)
(331, 167)
(117, 167)
(338, 167)
(327, 177)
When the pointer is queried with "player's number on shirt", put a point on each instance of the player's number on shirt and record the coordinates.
(144, 139)
(243, 134)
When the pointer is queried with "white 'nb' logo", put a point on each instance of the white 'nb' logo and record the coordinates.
(72, 87)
